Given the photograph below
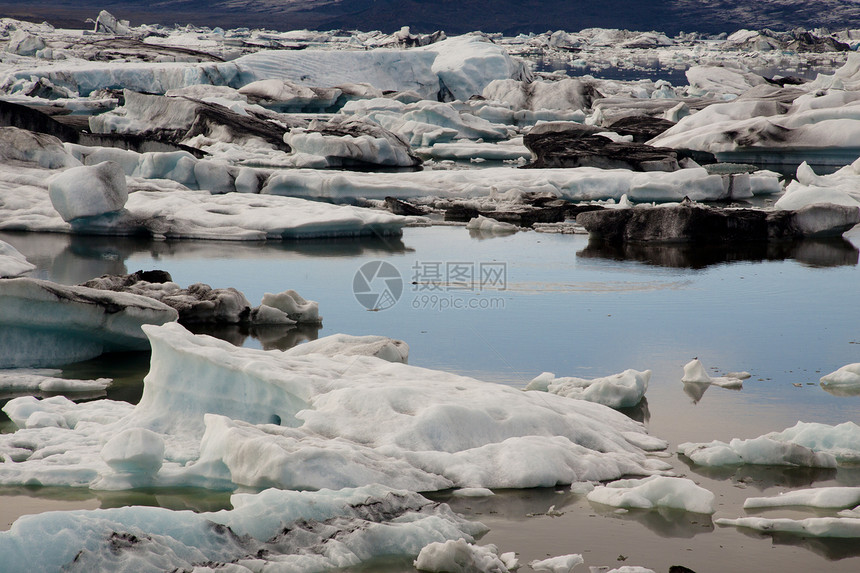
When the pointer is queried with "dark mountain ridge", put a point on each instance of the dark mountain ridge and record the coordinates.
(455, 16)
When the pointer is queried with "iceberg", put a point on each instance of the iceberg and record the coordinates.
(46, 324)
(580, 184)
(13, 263)
(46, 380)
(655, 491)
(287, 530)
(622, 390)
(322, 420)
(88, 190)
(844, 381)
(460, 556)
(823, 498)
(839, 527)
(184, 213)
(559, 564)
(387, 70)
(806, 444)
(695, 373)
(839, 188)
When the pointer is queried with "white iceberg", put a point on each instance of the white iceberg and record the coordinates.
(580, 184)
(806, 444)
(387, 70)
(559, 564)
(839, 527)
(220, 410)
(695, 373)
(183, 213)
(88, 190)
(823, 498)
(12, 262)
(287, 530)
(622, 390)
(488, 226)
(465, 65)
(839, 188)
(346, 345)
(655, 491)
(46, 380)
(45, 324)
(845, 379)
(460, 556)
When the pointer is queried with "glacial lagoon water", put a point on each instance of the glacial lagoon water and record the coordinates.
(505, 309)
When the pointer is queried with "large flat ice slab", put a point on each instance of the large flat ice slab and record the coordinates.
(44, 324)
(230, 416)
(580, 184)
(286, 530)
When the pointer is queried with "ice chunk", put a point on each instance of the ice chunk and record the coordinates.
(655, 491)
(41, 149)
(88, 190)
(461, 556)
(285, 95)
(24, 43)
(298, 531)
(581, 184)
(559, 564)
(23, 379)
(839, 188)
(13, 263)
(840, 527)
(472, 492)
(617, 391)
(565, 94)
(387, 70)
(295, 306)
(345, 344)
(466, 64)
(488, 226)
(44, 324)
(841, 441)
(845, 380)
(134, 451)
(107, 23)
(824, 497)
(770, 449)
(694, 372)
(219, 408)
(182, 213)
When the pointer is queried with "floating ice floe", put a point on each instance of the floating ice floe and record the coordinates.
(559, 564)
(695, 373)
(357, 418)
(771, 119)
(622, 390)
(13, 263)
(200, 303)
(460, 556)
(45, 380)
(823, 498)
(839, 527)
(655, 491)
(487, 226)
(844, 381)
(804, 444)
(181, 213)
(88, 190)
(839, 188)
(582, 184)
(46, 324)
(347, 345)
(287, 530)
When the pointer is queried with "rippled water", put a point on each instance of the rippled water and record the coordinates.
(786, 313)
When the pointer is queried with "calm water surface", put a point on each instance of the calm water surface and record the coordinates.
(786, 313)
